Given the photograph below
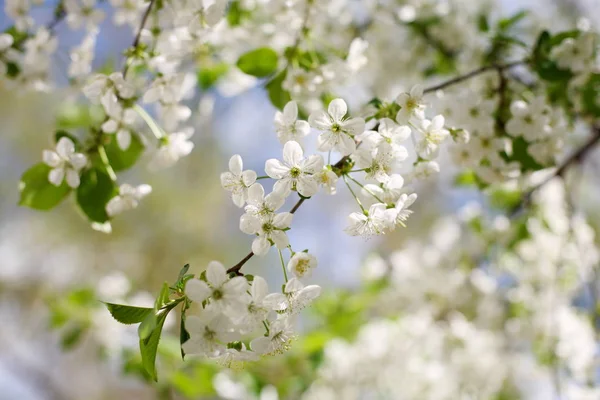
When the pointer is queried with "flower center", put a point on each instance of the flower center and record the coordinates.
(302, 266)
(217, 294)
(295, 172)
(267, 227)
(336, 128)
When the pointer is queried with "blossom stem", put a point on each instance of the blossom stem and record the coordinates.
(283, 265)
(366, 189)
(158, 133)
(136, 40)
(106, 162)
(353, 194)
(262, 177)
(267, 328)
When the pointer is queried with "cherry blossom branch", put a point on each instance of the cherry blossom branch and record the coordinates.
(138, 35)
(474, 73)
(575, 158)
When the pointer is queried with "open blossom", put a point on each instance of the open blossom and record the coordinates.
(391, 133)
(225, 294)
(287, 125)
(209, 333)
(400, 213)
(119, 122)
(301, 264)
(388, 191)
(295, 172)
(237, 181)
(327, 179)
(279, 339)
(173, 147)
(432, 135)
(83, 12)
(262, 206)
(299, 296)
(260, 305)
(128, 198)
(65, 163)
(270, 228)
(576, 54)
(528, 119)
(374, 222)
(411, 105)
(379, 162)
(337, 131)
(114, 85)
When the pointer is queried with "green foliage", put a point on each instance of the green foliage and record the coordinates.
(149, 343)
(590, 95)
(236, 13)
(209, 75)
(121, 160)
(37, 192)
(197, 382)
(259, 62)
(73, 313)
(505, 199)
(94, 192)
(128, 314)
(520, 154)
(279, 97)
(507, 23)
(541, 62)
(79, 116)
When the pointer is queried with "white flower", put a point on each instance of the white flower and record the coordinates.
(120, 121)
(82, 57)
(209, 333)
(337, 132)
(411, 105)
(173, 147)
(400, 213)
(327, 179)
(263, 206)
(278, 340)
(389, 191)
(101, 85)
(391, 133)
(225, 295)
(259, 306)
(232, 357)
(127, 199)
(295, 172)
(425, 169)
(301, 264)
(83, 12)
(433, 134)
(529, 120)
(356, 54)
(269, 228)
(237, 181)
(299, 296)
(287, 125)
(65, 163)
(379, 162)
(575, 54)
(127, 11)
(368, 224)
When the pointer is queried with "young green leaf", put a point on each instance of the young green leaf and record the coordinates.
(279, 97)
(147, 326)
(163, 297)
(121, 160)
(128, 314)
(259, 62)
(94, 192)
(209, 75)
(184, 335)
(149, 344)
(37, 192)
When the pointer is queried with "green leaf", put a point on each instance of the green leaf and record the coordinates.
(590, 95)
(278, 96)
(507, 23)
(94, 192)
(183, 271)
(37, 192)
(184, 335)
(147, 326)
(542, 64)
(466, 178)
(236, 13)
(208, 76)
(121, 160)
(259, 62)
(79, 116)
(72, 336)
(128, 314)
(149, 344)
(482, 23)
(163, 297)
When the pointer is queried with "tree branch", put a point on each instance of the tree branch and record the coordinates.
(138, 36)
(472, 74)
(575, 158)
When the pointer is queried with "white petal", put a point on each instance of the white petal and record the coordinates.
(293, 285)
(313, 164)
(276, 169)
(302, 128)
(280, 239)
(437, 122)
(276, 301)
(123, 139)
(65, 147)
(416, 92)
(56, 176)
(260, 246)
(142, 191)
(260, 345)
(110, 126)
(238, 199)
(249, 224)
(283, 187)
(78, 160)
(51, 158)
(337, 109)
(236, 164)
(347, 145)
(307, 186)
(73, 179)
(216, 274)
(290, 113)
(248, 177)
(354, 126)
(197, 290)
(283, 220)
(256, 194)
(259, 288)
(319, 120)
(238, 285)
(292, 153)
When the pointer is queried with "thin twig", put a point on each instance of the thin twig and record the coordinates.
(573, 159)
(138, 35)
(472, 74)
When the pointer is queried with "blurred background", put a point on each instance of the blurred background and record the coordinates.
(53, 264)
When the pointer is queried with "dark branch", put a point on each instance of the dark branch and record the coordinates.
(138, 35)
